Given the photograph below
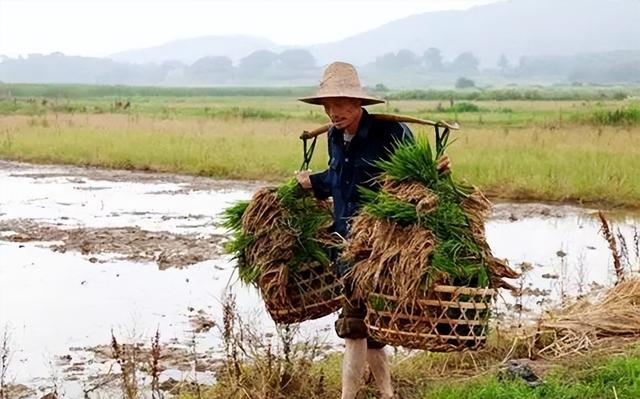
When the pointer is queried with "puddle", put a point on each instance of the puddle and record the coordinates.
(60, 298)
(59, 304)
(564, 254)
(76, 197)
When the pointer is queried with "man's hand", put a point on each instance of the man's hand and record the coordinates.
(303, 179)
(444, 165)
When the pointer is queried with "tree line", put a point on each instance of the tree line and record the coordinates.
(300, 67)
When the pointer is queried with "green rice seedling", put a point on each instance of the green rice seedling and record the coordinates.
(299, 215)
(281, 240)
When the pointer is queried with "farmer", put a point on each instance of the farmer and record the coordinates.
(356, 141)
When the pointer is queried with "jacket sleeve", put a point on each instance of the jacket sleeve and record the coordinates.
(321, 184)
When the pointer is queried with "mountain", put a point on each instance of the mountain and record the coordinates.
(190, 50)
(514, 28)
(542, 41)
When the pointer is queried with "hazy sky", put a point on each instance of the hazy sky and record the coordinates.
(99, 27)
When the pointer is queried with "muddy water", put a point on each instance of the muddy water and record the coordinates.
(84, 252)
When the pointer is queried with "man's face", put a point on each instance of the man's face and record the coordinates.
(344, 112)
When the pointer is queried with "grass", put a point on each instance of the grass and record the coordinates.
(611, 378)
(553, 160)
(558, 93)
(449, 376)
(621, 116)
(85, 91)
(231, 149)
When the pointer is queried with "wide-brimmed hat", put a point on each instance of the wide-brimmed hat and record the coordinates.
(341, 80)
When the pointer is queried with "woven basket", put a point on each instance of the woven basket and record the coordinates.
(309, 293)
(447, 319)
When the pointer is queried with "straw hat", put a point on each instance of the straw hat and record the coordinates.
(341, 80)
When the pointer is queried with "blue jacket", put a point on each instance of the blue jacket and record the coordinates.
(355, 166)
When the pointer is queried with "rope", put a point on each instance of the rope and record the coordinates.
(307, 152)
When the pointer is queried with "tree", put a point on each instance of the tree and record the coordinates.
(432, 59)
(503, 63)
(403, 59)
(211, 69)
(386, 61)
(257, 62)
(297, 59)
(465, 63)
(464, 83)
(406, 58)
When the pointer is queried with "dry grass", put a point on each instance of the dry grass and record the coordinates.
(243, 149)
(258, 366)
(5, 360)
(557, 162)
(583, 164)
(578, 327)
(261, 367)
(127, 357)
(606, 232)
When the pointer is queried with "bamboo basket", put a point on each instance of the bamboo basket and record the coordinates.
(447, 319)
(312, 292)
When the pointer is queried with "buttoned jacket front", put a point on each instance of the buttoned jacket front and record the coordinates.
(354, 165)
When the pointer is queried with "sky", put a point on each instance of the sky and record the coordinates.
(100, 28)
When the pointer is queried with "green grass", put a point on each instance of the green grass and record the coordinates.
(518, 93)
(281, 104)
(68, 91)
(557, 93)
(595, 382)
(621, 116)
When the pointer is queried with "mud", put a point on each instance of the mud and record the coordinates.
(80, 175)
(513, 212)
(172, 357)
(127, 243)
(17, 391)
(92, 241)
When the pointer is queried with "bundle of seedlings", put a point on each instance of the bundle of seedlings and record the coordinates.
(282, 242)
(419, 254)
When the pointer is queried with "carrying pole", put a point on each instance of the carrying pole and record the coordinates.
(384, 117)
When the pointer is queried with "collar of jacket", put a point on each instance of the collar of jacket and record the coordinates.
(363, 129)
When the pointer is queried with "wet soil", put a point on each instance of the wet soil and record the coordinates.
(82, 174)
(55, 221)
(128, 243)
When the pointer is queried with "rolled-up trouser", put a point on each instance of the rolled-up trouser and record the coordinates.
(350, 323)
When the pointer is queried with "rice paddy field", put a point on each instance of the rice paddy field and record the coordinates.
(584, 149)
(560, 146)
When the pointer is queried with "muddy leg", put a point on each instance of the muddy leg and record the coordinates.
(353, 364)
(377, 359)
